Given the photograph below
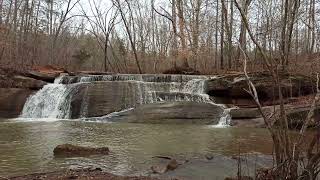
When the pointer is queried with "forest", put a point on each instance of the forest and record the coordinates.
(160, 89)
(134, 36)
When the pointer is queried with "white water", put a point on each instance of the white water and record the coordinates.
(53, 101)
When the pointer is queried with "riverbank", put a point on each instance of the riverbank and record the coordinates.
(83, 174)
(210, 167)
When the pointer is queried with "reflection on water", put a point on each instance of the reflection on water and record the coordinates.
(27, 147)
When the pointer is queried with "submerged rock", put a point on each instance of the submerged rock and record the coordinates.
(81, 174)
(70, 150)
(239, 178)
(171, 166)
(220, 167)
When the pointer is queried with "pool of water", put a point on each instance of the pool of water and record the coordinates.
(27, 147)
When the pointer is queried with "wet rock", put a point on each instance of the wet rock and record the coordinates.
(209, 157)
(80, 174)
(21, 82)
(162, 157)
(239, 178)
(92, 73)
(171, 166)
(12, 101)
(251, 117)
(29, 83)
(174, 113)
(297, 115)
(98, 99)
(43, 76)
(158, 169)
(219, 167)
(182, 70)
(231, 89)
(70, 150)
(245, 113)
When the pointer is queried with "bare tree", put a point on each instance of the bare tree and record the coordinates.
(120, 7)
(101, 25)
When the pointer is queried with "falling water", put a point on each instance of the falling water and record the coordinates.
(54, 100)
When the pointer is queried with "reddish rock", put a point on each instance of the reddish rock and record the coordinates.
(70, 150)
(172, 165)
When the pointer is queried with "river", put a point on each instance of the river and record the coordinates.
(27, 147)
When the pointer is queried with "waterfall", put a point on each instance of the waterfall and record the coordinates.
(52, 101)
(55, 100)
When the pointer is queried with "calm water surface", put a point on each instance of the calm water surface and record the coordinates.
(26, 147)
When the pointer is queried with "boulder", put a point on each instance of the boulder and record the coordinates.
(182, 70)
(245, 113)
(231, 89)
(12, 101)
(173, 113)
(43, 76)
(69, 150)
(296, 114)
(171, 166)
(28, 83)
(92, 73)
(22, 82)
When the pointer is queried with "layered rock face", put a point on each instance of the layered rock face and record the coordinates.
(153, 98)
(232, 89)
(16, 87)
(12, 101)
(174, 112)
(150, 98)
(296, 89)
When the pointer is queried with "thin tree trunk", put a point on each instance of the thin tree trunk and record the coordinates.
(133, 46)
(184, 52)
(222, 36)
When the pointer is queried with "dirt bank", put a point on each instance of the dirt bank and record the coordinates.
(85, 174)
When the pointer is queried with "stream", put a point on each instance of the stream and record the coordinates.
(27, 147)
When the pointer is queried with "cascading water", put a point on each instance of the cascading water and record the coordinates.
(54, 100)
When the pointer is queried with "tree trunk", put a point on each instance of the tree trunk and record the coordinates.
(243, 32)
(222, 35)
(175, 34)
(216, 36)
(184, 52)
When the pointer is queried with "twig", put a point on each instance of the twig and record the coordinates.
(311, 112)
(253, 91)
